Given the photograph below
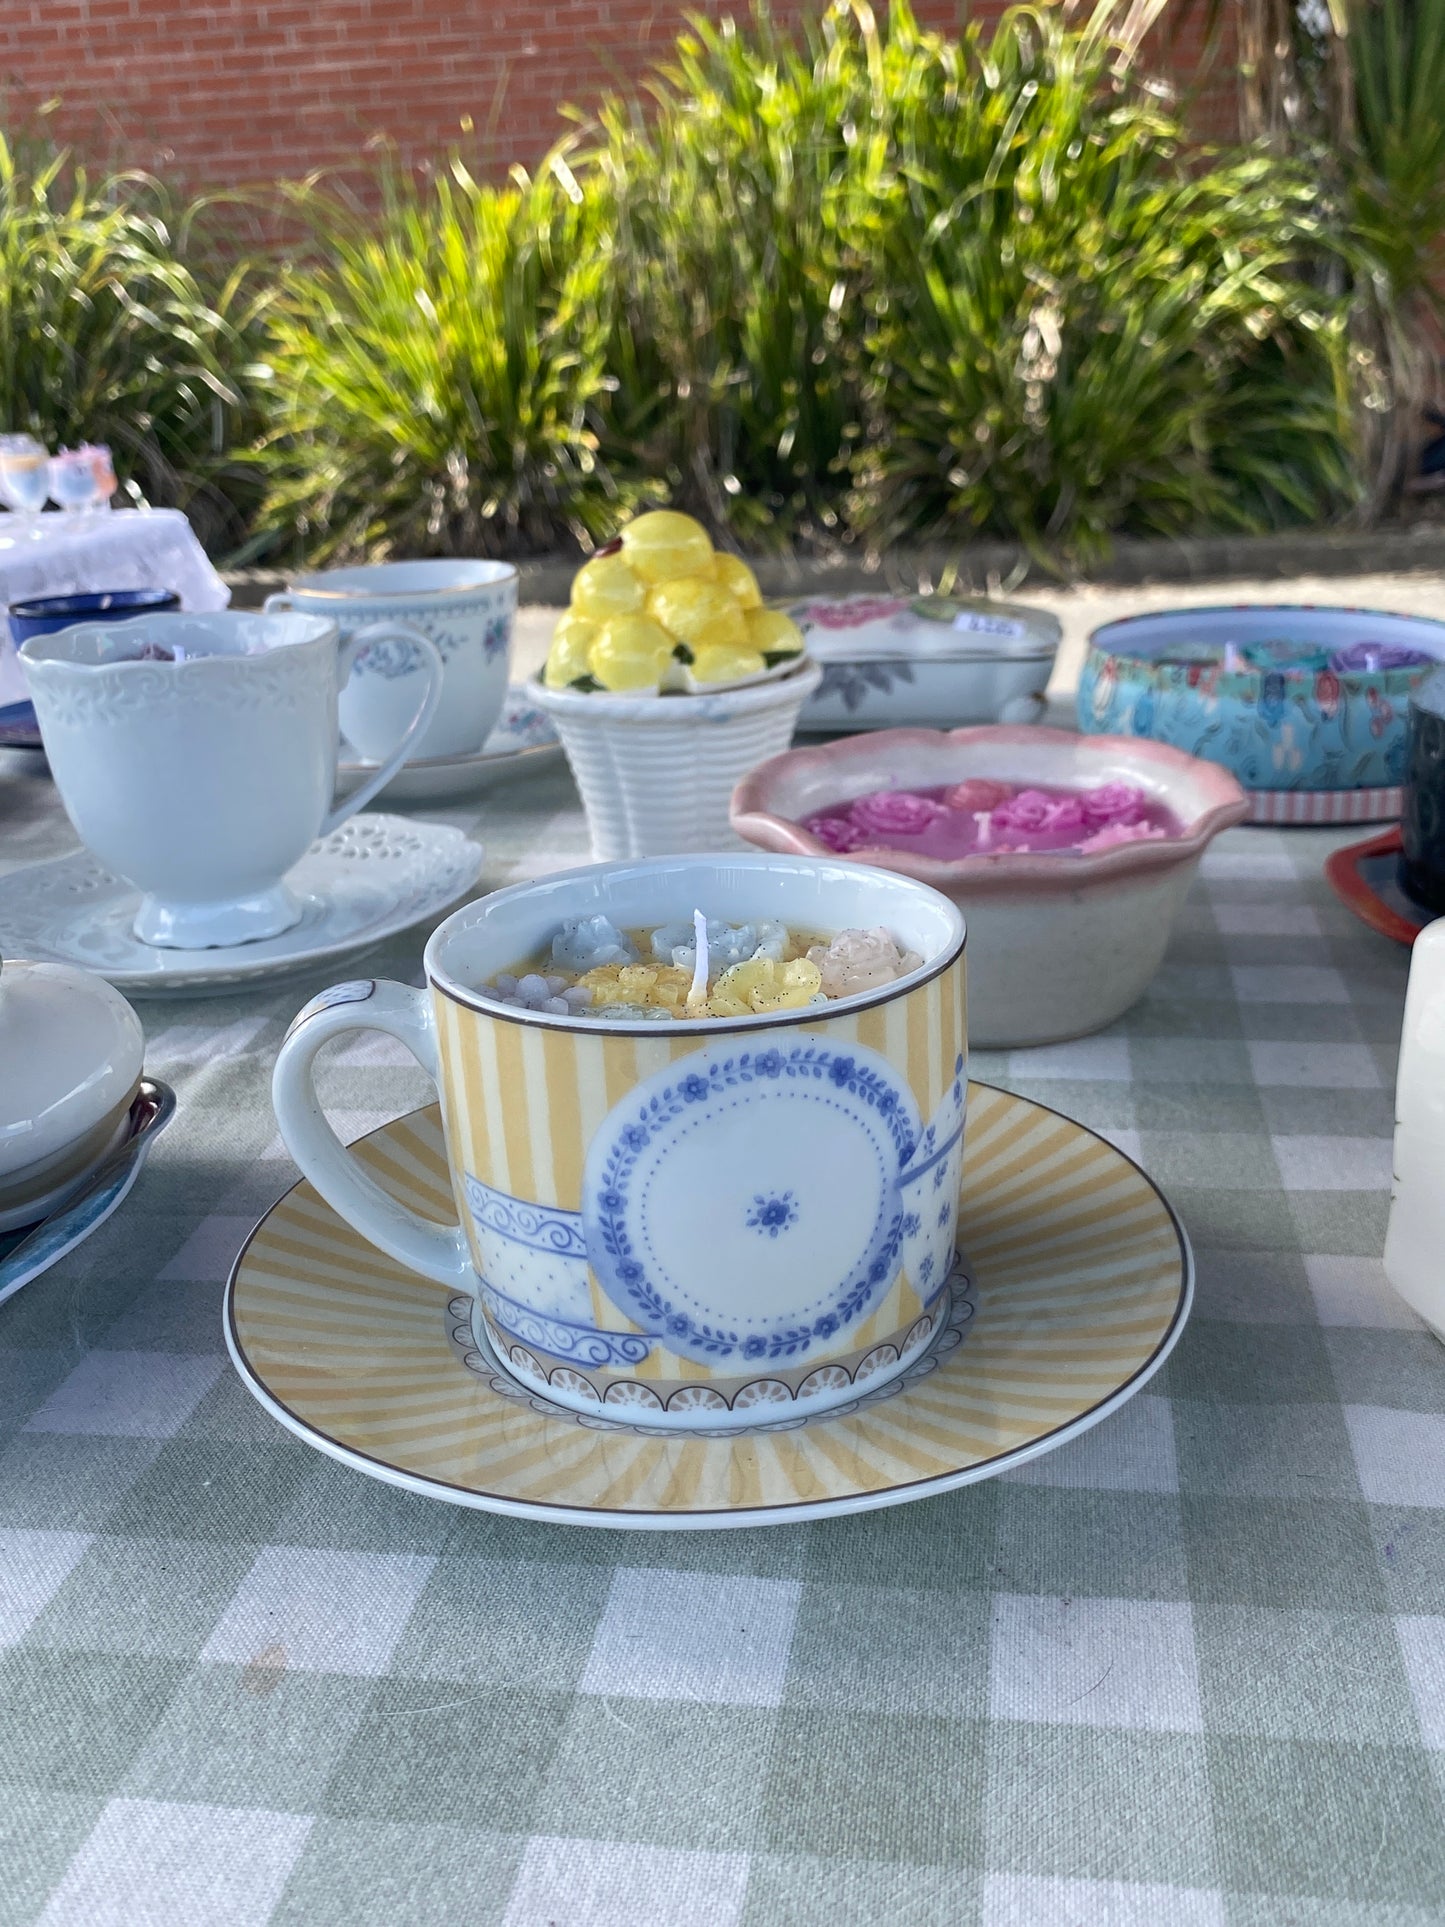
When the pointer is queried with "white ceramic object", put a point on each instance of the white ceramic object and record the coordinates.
(656, 772)
(1059, 944)
(70, 1062)
(897, 662)
(204, 778)
(522, 743)
(69, 1219)
(698, 1224)
(374, 876)
(1416, 1234)
(466, 609)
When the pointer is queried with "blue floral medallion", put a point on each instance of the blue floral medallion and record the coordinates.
(695, 1178)
(773, 1215)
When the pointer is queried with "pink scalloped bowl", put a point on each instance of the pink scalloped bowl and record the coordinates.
(1059, 944)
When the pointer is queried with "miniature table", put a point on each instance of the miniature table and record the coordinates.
(1188, 1670)
(60, 554)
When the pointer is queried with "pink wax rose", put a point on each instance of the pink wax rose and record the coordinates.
(835, 833)
(1114, 834)
(977, 793)
(1028, 813)
(895, 813)
(1112, 803)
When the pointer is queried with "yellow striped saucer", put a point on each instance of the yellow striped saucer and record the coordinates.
(1081, 1283)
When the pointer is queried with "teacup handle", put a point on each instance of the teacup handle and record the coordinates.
(281, 603)
(437, 1251)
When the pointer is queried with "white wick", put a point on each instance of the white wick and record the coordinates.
(985, 835)
(697, 994)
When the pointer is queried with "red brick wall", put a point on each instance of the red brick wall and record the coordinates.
(223, 92)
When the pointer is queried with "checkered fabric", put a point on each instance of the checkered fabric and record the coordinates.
(1187, 1672)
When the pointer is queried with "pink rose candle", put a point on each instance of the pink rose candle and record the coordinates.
(983, 817)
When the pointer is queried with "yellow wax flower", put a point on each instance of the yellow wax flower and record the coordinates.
(726, 665)
(630, 652)
(772, 633)
(605, 587)
(664, 544)
(760, 985)
(738, 579)
(569, 656)
(699, 611)
(661, 986)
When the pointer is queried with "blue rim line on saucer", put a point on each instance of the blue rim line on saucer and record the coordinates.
(31, 1249)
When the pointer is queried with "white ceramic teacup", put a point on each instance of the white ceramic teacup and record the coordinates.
(196, 757)
(704, 1223)
(466, 608)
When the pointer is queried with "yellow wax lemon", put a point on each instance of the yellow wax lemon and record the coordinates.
(738, 579)
(772, 633)
(664, 544)
(605, 587)
(568, 658)
(630, 652)
(698, 611)
(726, 665)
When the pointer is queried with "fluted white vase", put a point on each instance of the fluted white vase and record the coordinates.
(657, 773)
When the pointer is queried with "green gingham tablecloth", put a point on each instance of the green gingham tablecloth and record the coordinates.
(1189, 1670)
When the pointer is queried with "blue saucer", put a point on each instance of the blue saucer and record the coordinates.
(18, 727)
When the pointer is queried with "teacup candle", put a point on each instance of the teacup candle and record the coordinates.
(689, 1214)
(667, 680)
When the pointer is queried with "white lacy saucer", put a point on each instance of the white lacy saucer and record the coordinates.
(367, 880)
(523, 742)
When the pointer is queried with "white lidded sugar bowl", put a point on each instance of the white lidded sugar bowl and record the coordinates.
(71, 1049)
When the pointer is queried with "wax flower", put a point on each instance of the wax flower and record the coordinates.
(859, 960)
(763, 984)
(836, 833)
(661, 986)
(977, 793)
(1114, 834)
(895, 812)
(1112, 803)
(1033, 812)
(583, 943)
(727, 944)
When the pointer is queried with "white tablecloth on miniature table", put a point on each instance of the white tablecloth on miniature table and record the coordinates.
(60, 554)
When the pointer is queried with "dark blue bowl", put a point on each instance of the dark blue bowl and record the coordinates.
(44, 615)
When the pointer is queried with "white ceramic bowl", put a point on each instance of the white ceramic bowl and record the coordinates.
(70, 1061)
(894, 662)
(1058, 945)
(656, 772)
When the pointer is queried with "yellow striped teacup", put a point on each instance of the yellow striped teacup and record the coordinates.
(691, 1224)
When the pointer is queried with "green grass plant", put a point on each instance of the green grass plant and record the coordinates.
(740, 299)
(113, 329)
(1082, 328)
(435, 368)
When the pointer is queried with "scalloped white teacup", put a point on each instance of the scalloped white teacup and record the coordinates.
(196, 757)
(702, 1224)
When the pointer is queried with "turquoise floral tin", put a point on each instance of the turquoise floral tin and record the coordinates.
(1294, 700)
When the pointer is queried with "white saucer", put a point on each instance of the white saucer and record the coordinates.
(367, 880)
(523, 742)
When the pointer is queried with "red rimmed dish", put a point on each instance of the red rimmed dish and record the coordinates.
(1366, 879)
(1060, 942)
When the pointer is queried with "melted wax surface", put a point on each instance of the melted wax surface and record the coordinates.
(982, 817)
